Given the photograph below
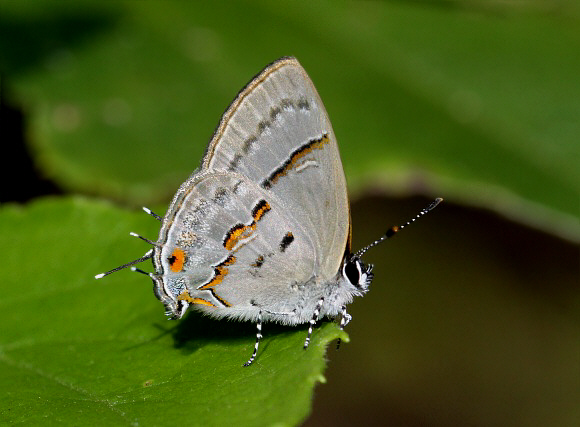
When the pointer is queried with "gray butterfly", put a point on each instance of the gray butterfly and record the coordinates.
(261, 231)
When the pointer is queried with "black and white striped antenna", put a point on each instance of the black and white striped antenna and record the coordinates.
(148, 254)
(396, 228)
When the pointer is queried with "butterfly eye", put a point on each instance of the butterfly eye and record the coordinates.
(357, 273)
(351, 271)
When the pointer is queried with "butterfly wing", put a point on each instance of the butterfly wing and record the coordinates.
(277, 134)
(228, 247)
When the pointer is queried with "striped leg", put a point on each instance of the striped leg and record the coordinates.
(258, 338)
(313, 322)
(344, 319)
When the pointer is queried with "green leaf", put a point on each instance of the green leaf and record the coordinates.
(79, 351)
(474, 102)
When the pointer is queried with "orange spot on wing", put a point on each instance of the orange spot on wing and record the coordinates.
(241, 231)
(201, 301)
(237, 233)
(176, 260)
(261, 208)
(295, 157)
(229, 260)
(184, 296)
(220, 272)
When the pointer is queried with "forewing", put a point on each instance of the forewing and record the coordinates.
(277, 134)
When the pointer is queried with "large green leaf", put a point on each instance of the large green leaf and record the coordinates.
(84, 352)
(479, 105)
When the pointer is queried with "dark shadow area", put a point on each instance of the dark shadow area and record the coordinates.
(196, 329)
(21, 180)
(26, 41)
(542, 265)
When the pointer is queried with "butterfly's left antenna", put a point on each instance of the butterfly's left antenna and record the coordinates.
(393, 230)
(148, 254)
(153, 214)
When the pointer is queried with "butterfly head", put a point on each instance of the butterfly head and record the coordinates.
(357, 273)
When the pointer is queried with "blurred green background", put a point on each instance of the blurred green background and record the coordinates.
(473, 317)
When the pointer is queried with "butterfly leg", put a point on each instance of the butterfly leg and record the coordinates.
(344, 319)
(258, 338)
(313, 322)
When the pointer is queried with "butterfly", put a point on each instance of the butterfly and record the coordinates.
(261, 231)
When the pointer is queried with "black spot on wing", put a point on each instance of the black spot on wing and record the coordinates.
(286, 241)
(303, 104)
(259, 262)
(287, 104)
